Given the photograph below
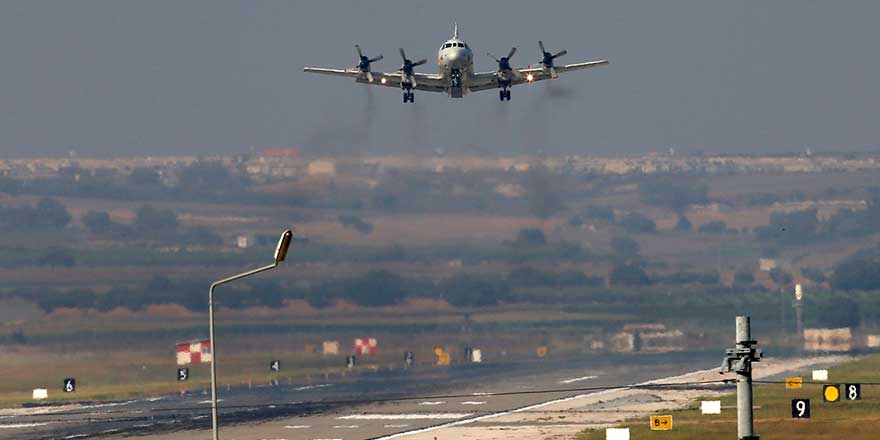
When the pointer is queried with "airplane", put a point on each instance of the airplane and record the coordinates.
(456, 75)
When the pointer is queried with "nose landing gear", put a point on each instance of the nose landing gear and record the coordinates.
(409, 97)
(504, 94)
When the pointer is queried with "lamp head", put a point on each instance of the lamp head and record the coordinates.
(283, 245)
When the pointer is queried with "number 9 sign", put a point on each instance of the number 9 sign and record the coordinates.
(800, 408)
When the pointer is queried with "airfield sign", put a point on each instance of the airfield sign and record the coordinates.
(661, 423)
(275, 366)
(800, 408)
(69, 385)
(182, 374)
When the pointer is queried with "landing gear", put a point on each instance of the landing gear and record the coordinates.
(504, 94)
(409, 97)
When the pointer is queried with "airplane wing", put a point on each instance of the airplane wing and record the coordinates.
(424, 82)
(489, 80)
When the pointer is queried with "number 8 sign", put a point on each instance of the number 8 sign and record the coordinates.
(853, 391)
(800, 408)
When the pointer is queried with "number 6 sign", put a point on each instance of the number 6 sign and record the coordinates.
(800, 408)
(69, 385)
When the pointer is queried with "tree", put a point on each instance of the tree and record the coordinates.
(531, 237)
(743, 277)
(683, 224)
(52, 213)
(143, 176)
(629, 275)
(600, 213)
(856, 274)
(377, 288)
(636, 223)
(625, 247)
(780, 277)
(713, 227)
(813, 274)
(97, 222)
(467, 290)
(673, 194)
(152, 221)
(55, 257)
(790, 227)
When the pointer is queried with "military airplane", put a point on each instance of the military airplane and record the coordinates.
(456, 75)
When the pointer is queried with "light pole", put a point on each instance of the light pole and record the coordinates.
(280, 253)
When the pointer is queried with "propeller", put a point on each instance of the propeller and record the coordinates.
(364, 62)
(504, 62)
(408, 65)
(547, 58)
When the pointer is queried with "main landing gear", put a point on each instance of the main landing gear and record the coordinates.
(504, 94)
(409, 97)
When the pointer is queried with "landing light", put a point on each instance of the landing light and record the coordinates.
(383, 80)
(530, 77)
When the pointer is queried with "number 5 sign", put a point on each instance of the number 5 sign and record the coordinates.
(800, 408)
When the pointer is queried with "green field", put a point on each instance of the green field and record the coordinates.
(852, 420)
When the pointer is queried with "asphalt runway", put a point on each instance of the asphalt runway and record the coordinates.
(360, 405)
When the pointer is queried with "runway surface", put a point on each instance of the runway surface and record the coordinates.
(360, 405)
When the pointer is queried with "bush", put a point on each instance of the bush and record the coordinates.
(636, 223)
(531, 237)
(600, 213)
(683, 224)
(629, 275)
(713, 227)
(813, 274)
(856, 274)
(676, 195)
(468, 290)
(97, 222)
(790, 227)
(743, 277)
(625, 247)
(780, 277)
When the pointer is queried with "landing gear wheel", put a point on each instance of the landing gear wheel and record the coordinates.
(501, 94)
(412, 97)
(507, 94)
(405, 97)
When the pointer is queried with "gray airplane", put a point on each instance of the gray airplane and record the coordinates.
(456, 76)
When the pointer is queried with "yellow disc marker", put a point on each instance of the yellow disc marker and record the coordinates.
(831, 393)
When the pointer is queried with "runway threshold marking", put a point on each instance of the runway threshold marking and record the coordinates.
(471, 402)
(298, 426)
(431, 403)
(438, 416)
(346, 426)
(577, 379)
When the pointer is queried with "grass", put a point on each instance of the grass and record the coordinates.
(853, 420)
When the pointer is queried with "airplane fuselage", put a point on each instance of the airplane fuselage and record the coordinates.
(456, 62)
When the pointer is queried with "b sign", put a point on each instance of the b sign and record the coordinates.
(661, 423)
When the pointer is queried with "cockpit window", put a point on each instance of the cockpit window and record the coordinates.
(448, 45)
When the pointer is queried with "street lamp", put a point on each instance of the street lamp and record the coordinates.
(280, 253)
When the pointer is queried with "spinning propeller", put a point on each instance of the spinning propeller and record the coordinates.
(364, 63)
(547, 59)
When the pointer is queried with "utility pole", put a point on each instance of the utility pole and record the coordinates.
(740, 360)
(799, 316)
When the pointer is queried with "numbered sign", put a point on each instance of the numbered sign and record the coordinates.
(794, 383)
(661, 423)
(831, 393)
(800, 408)
(182, 374)
(853, 391)
(408, 358)
(69, 385)
(350, 361)
(275, 366)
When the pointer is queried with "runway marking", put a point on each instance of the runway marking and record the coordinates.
(208, 402)
(438, 416)
(481, 394)
(109, 431)
(346, 426)
(531, 407)
(577, 379)
(143, 425)
(328, 439)
(21, 425)
(74, 436)
(298, 426)
(311, 387)
(200, 417)
(469, 402)
(396, 426)
(432, 403)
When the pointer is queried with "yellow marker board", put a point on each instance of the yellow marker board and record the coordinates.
(661, 423)
(831, 393)
(794, 383)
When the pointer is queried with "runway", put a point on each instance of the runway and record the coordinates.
(363, 405)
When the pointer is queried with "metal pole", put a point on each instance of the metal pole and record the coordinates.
(214, 428)
(744, 422)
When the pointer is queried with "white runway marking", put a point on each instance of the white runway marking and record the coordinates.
(298, 426)
(74, 436)
(470, 402)
(21, 425)
(328, 439)
(481, 394)
(208, 402)
(438, 416)
(577, 379)
(311, 387)
(346, 426)
(200, 417)
(396, 426)
(431, 403)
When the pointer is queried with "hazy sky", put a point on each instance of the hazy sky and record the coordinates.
(159, 77)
